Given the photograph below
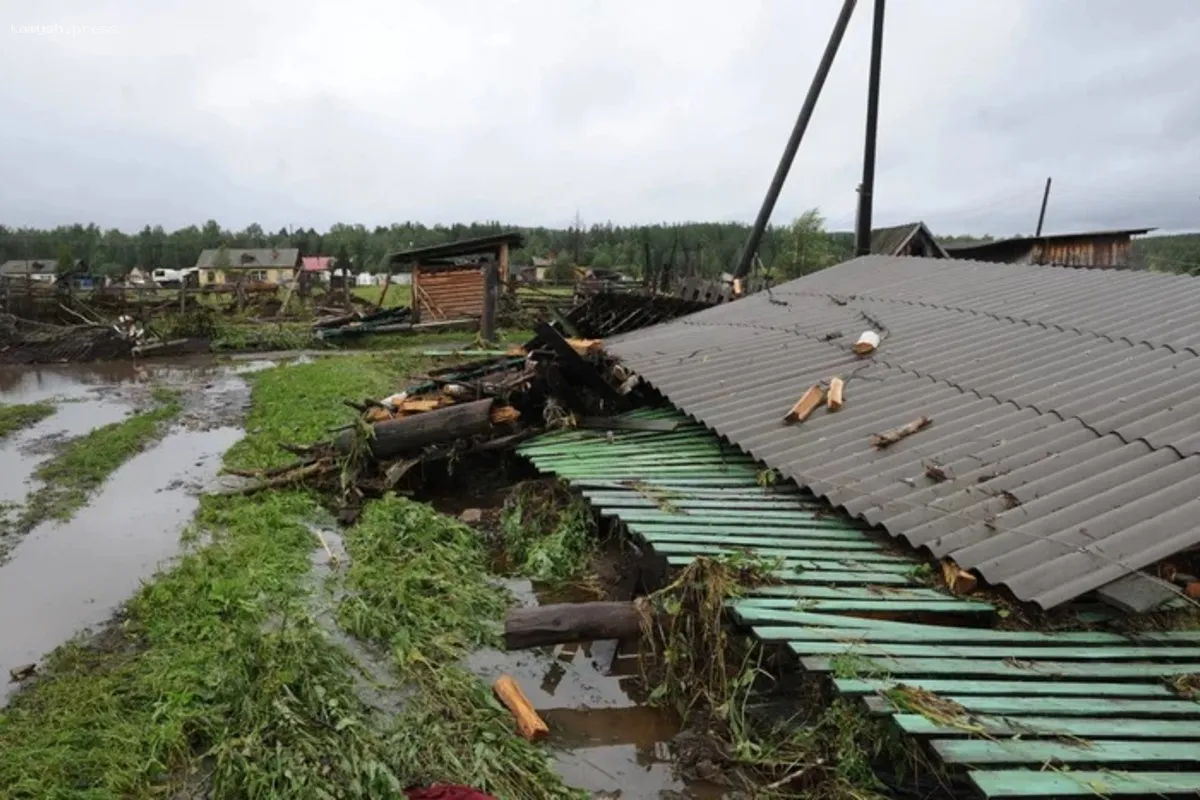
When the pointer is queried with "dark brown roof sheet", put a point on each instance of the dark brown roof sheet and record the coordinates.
(1065, 406)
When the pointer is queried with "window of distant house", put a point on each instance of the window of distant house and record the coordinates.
(258, 275)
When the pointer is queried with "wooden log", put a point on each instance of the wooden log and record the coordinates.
(837, 388)
(567, 623)
(889, 438)
(529, 724)
(397, 437)
(808, 403)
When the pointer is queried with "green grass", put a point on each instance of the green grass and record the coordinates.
(549, 532)
(397, 295)
(220, 682)
(251, 336)
(69, 478)
(23, 415)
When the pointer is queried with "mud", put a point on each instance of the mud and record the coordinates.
(66, 578)
(604, 736)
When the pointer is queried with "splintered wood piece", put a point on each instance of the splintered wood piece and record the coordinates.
(837, 388)
(515, 350)
(375, 414)
(529, 724)
(417, 405)
(586, 347)
(958, 580)
(808, 403)
(889, 438)
(1192, 590)
(504, 414)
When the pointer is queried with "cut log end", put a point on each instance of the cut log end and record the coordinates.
(529, 724)
(837, 389)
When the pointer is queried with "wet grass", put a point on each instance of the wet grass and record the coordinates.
(218, 680)
(69, 478)
(549, 532)
(17, 417)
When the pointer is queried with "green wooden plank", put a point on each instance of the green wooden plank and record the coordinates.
(648, 499)
(981, 752)
(1073, 653)
(1009, 669)
(682, 523)
(1079, 783)
(752, 491)
(843, 546)
(817, 576)
(1089, 727)
(798, 603)
(763, 596)
(888, 631)
(868, 559)
(876, 570)
(733, 483)
(740, 518)
(633, 463)
(1067, 706)
(870, 686)
(883, 607)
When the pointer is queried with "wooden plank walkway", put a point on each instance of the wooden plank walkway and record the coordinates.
(1024, 713)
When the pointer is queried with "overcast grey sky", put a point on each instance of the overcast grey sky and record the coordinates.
(309, 112)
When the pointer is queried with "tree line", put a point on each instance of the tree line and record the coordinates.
(694, 248)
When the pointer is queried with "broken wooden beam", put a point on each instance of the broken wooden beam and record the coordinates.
(568, 623)
(837, 389)
(889, 438)
(396, 437)
(808, 403)
(529, 724)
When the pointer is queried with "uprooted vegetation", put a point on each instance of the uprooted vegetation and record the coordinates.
(548, 532)
(694, 664)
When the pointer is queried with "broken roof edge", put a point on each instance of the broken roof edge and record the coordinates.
(462, 247)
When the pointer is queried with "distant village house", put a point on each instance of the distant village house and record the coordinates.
(1088, 249)
(262, 265)
(44, 270)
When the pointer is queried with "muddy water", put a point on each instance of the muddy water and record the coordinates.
(66, 577)
(606, 740)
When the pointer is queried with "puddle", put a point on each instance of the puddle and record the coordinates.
(605, 739)
(67, 577)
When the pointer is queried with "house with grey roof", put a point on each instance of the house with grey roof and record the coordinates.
(263, 264)
(38, 269)
(911, 239)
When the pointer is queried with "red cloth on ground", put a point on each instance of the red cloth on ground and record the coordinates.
(446, 793)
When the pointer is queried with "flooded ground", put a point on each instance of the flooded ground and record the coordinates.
(64, 578)
(606, 740)
(67, 577)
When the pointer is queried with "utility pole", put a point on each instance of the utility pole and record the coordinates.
(793, 144)
(866, 191)
(1042, 213)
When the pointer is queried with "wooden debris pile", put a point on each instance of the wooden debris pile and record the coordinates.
(23, 341)
(459, 412)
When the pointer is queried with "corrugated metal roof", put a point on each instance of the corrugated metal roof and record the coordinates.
(1064, 403)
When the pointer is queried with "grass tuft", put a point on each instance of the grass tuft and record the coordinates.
(549, 533)
(17, 417)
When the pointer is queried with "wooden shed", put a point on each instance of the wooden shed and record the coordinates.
(1104, 249)
(449, 280)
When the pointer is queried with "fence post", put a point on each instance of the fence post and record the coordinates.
(487, 325)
